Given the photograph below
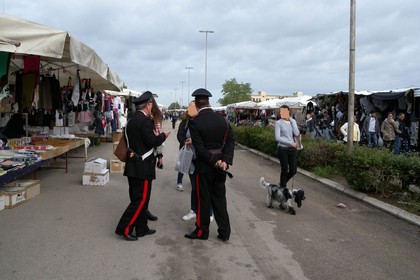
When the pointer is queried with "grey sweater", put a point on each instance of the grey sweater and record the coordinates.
(285, 131)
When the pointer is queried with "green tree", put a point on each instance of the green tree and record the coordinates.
(174, 106)
(234, 92)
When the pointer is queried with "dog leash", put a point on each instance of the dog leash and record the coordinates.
(293, 182)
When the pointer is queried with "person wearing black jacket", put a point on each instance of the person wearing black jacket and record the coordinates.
(140, 170)
(15, 127)
(214, 144)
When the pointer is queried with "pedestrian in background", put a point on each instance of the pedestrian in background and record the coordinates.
(286, 131)
(388, 128)
(356, 131)
(401, 134)
(371, 129)
(174, 118)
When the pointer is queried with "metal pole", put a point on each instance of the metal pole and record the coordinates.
(182, 93)
(350, 109)
(189, 68)
(175, 89)
(205, 67)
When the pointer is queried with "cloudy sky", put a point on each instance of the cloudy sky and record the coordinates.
(277, 46)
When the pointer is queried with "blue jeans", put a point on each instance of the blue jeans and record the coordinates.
(179, 178)
(396, 149)
(372, 140)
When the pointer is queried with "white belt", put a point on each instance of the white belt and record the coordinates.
(146, 155)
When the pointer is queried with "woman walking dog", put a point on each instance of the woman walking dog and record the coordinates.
(286, 131)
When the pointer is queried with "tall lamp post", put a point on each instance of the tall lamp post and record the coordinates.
(205, 73)
(175, 89)
(182, 93)
(189, 68)
(350, 109)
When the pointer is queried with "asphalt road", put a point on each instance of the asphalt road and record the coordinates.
(67, 232)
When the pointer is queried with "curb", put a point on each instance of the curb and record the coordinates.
(400, 213)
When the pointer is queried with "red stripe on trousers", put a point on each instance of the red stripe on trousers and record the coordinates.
(198, 220)
(142, 202)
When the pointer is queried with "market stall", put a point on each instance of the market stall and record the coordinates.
(57, 82)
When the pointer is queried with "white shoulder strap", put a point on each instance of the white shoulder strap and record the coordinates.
(126, 137)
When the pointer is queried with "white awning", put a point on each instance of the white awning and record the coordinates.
(243, 105)
(295, 102)
(60, 53)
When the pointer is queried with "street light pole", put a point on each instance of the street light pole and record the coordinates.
(189, 68)
(350, 108)
(182, 93)
(175, 89)
(205, 69)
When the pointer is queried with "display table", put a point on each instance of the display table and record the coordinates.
(61, 149)
(93, 137)
(20, 172)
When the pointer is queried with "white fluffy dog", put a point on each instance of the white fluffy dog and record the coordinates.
(283, 196)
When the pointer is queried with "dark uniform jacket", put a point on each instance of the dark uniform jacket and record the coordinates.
(141, 139)
(212, 139)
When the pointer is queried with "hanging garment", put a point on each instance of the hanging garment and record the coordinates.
(28, 87)
(56, 94)
(45, 94)
(76, 94)
(116, 102)
(366, 104)
(4, 73)
(71, 118)
(31, 64)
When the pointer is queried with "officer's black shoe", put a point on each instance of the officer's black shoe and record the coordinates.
(149, 232)
(150, 216)
(194, 235)
(223, 238)
(130, 237)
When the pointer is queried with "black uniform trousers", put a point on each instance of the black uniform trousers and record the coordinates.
(211, 190)
(134, 217)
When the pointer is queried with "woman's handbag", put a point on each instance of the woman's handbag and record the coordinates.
(122, 150)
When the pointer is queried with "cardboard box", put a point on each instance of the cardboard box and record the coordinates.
(114, 146)
(116, 136)
(95, 179)
(98, 165)
(32, 187)
(116, 165)
(2, 202)
(14, 196)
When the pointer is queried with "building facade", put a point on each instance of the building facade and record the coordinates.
(263, 96)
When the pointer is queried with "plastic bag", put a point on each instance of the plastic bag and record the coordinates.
(183, 162)
(380, 142)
